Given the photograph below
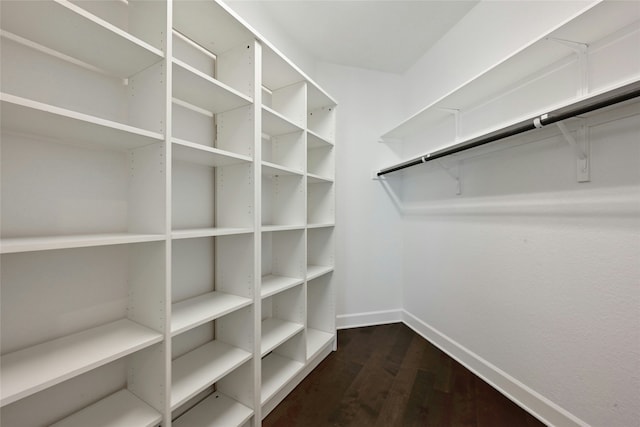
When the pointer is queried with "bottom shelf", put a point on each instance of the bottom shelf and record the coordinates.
(316, 341)
(122, 408)
(215, 410)
(277, 371)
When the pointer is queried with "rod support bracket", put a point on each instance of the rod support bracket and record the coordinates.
(453, 172)
(456, 118)
(581, 147)
(582, 52)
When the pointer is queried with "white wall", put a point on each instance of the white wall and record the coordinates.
(368, 230)
(529, 277)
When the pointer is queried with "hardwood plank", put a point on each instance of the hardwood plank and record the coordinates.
(388, 376)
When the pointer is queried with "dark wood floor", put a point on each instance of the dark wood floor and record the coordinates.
(384, 376)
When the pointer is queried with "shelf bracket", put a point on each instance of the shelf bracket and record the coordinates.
(456, 118)
(582, 52)
(453, 172)
(581, 148)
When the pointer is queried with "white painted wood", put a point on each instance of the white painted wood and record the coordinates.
(216, 410)
(320, 202)
(28, 371)
(275, 332)
(273, 170)
(206, 156)
(316, 179)
(283, 200)
(195, 87)
(317, 141)
(277, 371)
(510, 70)
(208, 232)
(277, 71)
(274, 123)
(202, 367)
(173, 126)
(272, 284)
(320, 161)
(28, 244)
(285, 150)
(321, 121)
(314, 271)
(194, 19)
(60, 24)
(317, 340)
(121, 409)
(325, 225)
(36, 118)
(195, 311)
(290, 102)
(272, 228)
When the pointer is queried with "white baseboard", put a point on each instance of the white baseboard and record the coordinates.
(534, 403)
(346, 321)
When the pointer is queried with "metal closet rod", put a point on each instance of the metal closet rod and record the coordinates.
(606, 99)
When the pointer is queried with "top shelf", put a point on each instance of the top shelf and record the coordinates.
(59, 25)
(588, 26)
(193, 19)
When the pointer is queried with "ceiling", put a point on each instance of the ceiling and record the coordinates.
(387, 36)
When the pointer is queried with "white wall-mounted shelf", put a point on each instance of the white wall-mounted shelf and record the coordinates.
(155, 160)
(28, 371)
(587, 27)
(275, 332)
(207, 156)
(200, 368)
(36, 118)
(59, 25)
(216, 410)
(274, 123)
(277, 371)
(317, 340)
(122, 408)
(195, 311)
(44, 243)
(272, 284)
(314, 271)
(197, 88)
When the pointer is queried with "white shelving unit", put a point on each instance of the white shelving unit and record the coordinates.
(566, 65)
(159, 215)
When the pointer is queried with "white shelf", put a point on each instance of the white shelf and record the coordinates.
(316, 141)
(274, 123)
(215, 410)
(63, 26)
(277, 71)
(120, 409)
(271, 169)
(268, 228)
(31, 117)
(272, 284)
(316, 341)
(202, 367)
(195, 87)
(275, 332)
(195, 311)
(587, 26)
(30, 244)
(318, 98)
(193, 233)
(276, 372)
(207, 156)
(321, 225)
(314, 271)
(317, 179)
(28, 371)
